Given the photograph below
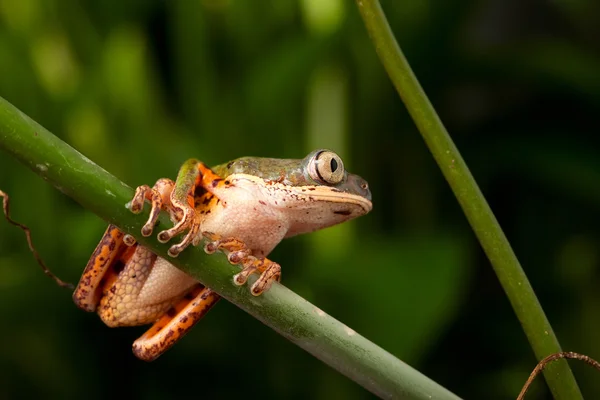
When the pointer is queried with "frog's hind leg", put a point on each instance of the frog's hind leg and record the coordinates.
(111, 252)
(175, 323)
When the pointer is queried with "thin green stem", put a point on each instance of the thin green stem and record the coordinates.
(541, 337)
(293, 317)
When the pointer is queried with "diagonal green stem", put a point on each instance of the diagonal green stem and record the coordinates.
(541, 337)
(281, 309)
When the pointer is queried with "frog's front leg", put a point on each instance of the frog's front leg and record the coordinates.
(159, 197)
(239, 253)
(195, 182)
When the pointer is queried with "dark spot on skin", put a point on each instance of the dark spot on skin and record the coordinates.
(171, 312)
(343, 212)
(229, 164)
(205, 296)
(227, 182)
(134, 275)
(336, 190)
(199, 191)
(262, 202)
(183, 319)
(311, 188)
(206, 200)
(188, 296)
(216, 182)
(281, 176)
(207, 212)
(118, 266)
(218, 201)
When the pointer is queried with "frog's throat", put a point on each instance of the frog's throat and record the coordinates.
(310, 193)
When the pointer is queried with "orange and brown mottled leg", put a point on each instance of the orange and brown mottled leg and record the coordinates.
(108, 253)
(175, 323)
(238, 253)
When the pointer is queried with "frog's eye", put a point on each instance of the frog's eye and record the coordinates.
(327, 167)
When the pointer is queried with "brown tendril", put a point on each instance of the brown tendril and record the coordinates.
(5, 208)
(553, 357)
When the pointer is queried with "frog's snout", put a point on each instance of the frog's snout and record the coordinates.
(359, 186)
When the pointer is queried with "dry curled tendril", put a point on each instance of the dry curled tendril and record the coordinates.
(553, 357)
(5, 208)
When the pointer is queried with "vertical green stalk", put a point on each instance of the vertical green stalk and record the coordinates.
(541, 337)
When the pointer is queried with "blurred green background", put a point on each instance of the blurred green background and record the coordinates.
(140, 86)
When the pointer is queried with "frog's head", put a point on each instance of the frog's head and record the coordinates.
(313, 193)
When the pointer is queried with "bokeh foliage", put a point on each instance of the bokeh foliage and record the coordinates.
(140, 86)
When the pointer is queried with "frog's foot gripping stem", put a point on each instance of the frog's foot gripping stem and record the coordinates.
(158, 195)
(238, 253)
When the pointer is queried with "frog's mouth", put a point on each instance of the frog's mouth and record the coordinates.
(333, 195)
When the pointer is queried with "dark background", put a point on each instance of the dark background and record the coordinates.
(140, 86)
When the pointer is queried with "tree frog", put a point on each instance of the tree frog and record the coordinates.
(243, 208)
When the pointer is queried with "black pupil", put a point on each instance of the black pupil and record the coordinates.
(333, 165)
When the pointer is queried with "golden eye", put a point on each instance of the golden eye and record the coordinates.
(327, 167)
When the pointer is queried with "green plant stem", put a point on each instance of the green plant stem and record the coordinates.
(281, 309)
(541, 337)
